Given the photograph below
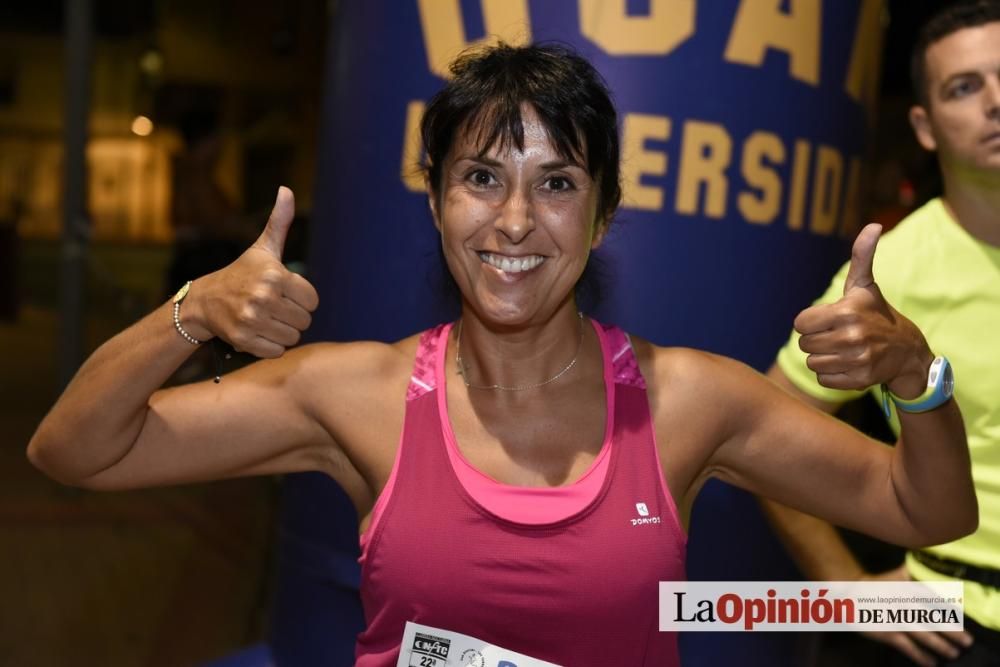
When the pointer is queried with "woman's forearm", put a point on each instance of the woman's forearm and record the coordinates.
(101, 412)
(931, 475)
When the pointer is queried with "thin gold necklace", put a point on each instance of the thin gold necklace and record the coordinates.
(519, 387)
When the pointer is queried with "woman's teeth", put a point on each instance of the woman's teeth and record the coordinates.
(512, 264)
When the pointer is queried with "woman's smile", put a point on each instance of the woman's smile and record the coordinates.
(512, 265)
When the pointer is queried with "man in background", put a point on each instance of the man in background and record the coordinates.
(941, 267)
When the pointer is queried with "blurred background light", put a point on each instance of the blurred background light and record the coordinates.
(142, 126)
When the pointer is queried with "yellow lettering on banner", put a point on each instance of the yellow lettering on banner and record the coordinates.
(761, 26)
(851, 219)
(637, 160)
(762, 209)
(444, 34)
(607, 24)
(800, 177)
(705, 153)
(409, 170)
(827, 179)
(866, 55)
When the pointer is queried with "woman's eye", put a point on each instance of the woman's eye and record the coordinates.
(481, 177)
(559, 184)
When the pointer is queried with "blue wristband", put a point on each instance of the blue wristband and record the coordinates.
(940, 387)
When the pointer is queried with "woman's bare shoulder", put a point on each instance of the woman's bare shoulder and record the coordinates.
(693, 389)
(366, 362)
(665, 366)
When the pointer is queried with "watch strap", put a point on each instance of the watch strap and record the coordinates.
(940, 387)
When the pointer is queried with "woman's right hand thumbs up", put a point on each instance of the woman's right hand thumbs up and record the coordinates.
(255, 304)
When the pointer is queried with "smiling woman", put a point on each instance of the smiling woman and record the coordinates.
(517, 224)
(523, 140)
(570, 447)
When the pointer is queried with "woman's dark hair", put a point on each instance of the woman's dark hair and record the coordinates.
(485, 98)
(954, 17)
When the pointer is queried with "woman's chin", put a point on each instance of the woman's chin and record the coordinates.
(513, 314)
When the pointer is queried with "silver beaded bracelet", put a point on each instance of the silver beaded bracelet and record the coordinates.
(181, 293)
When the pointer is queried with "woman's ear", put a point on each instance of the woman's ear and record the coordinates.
(432, 203)
(600, 231)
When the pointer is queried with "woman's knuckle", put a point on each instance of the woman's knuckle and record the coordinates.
(240, 339)
(261, 294)
(247, 314)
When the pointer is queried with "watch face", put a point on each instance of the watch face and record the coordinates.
(948, 381)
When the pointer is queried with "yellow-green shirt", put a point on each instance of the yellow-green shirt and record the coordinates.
(948, 283)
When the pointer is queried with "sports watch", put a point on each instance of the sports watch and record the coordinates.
(940, 387)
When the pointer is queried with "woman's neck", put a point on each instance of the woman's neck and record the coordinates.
(503, 358)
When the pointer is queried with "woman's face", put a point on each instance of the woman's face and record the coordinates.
(517, 226)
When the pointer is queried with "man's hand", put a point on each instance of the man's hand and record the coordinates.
(255, 303)
(923, 648)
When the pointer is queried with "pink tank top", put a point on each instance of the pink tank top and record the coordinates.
(566, 574)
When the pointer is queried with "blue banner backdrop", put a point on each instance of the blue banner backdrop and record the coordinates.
(744, 126)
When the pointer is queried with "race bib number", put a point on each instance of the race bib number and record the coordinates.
(424, 646)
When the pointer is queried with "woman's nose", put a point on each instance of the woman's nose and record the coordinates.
(515, 219)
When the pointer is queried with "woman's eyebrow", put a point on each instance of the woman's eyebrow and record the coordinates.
(481, 159)
(491, 162)
(561, 164)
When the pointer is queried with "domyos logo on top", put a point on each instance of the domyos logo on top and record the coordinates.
(702, 166)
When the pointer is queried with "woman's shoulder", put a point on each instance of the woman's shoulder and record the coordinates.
(671, 364)
(355, 363)
(686, 379)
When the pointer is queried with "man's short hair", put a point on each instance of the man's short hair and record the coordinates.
(954, 17)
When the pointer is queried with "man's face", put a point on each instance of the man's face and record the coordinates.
(961, 120)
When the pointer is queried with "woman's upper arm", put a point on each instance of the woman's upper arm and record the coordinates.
(272, 416)
(785, 450)
(741, 428)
